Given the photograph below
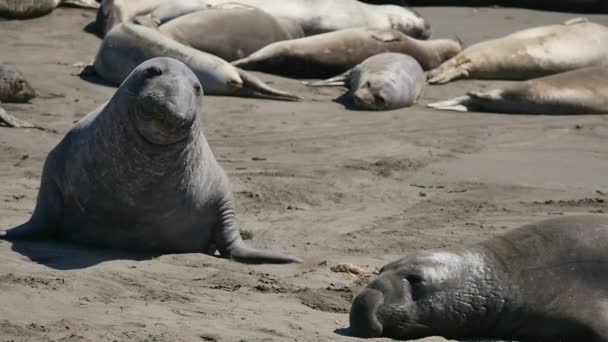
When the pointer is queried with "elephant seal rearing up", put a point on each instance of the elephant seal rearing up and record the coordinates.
(546, 281)
(583, 91)
(138, 174)
(530, 53)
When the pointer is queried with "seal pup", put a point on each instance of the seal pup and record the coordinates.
(137, 174)
(583, 91)
(13, 86)
(27, 9)
(329, 54)
(382, 82)
(229, 33)
(128, 45)
(315, 16)
(531, 53)
(544, 281)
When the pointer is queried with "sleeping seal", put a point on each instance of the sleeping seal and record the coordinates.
(546, 281)
(128, 45)
(315, 16)
(329, 54)
(137, 174)
(583, 91)
(26, 9)
(13, 86)
(229, 33)
(382, 82)
(530, 53)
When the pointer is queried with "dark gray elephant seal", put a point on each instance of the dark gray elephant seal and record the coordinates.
(546, 281)
(329, 54)
(137, 174)
(583, 91)
(229, 33)
(382, 82)
(26, 9)
(13, 86)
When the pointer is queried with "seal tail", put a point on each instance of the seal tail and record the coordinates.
(11, 121)
(458, 104)
(253, 86)
(82, 3)
(336, 81)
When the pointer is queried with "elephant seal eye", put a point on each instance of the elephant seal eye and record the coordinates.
(414, 279)
(197, 89)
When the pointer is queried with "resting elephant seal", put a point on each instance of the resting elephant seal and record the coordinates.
(26, 9)
(229, 33)
(530, 53)
(332, 53)
(583, 91)
(13, 86)
(315, 16)
(128, 45)
(382, 82)
(546, 281)
(137, 174)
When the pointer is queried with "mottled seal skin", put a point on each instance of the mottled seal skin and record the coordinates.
(128, 45)
(530, 53)
(229, 33)
(329, 54)
(315, 16)
(583, 91)
(26, 9)
(137, 174)
(382, 82)
(547, 281)
(13, 86)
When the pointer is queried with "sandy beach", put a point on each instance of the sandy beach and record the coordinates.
(311, 179)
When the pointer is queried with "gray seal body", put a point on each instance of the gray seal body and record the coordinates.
(542, 282)
(382, 82)
(137, 174)
(13, 86)
(26, 9)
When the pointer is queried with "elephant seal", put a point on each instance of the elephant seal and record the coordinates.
(315, 16)
(332, 53)
(13, 86)
(128, 45)
(26, 9)
(137, 174)
(530, 53)
(583, 91)
(382, 82)
(542, 282)
(229, 33)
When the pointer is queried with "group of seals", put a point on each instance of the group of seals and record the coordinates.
(544, 281)
(329, 54)
(161, 189)
(230, 33)
(314, 16)
(26, 9)
(128, 45)
(530, 53)
(583, 91)
(382, 82)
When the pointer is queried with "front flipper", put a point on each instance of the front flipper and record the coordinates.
(231, 245)
(45, 219)
(453, 69)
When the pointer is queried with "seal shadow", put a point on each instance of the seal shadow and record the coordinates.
(64, 256)
(343, 332)
(347, 101)
(92, 29)
(90, 75)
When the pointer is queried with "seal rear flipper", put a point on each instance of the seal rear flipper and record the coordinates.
(82, 3)
(336, 81)
(240, 252)
(12, 121)
(253, 86)
(458, 104)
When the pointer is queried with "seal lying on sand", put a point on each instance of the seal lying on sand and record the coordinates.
(229, 33)
(26, 9)
(13, 86)
(382, 82)
(315, 16)
(329, 54)
(583, 91)
(128, 45)
(530, 53)
(542, 282)
(137, 174)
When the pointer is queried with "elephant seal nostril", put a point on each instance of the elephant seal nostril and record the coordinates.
(363, 314)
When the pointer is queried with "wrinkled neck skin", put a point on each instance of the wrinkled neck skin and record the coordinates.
(21, 9)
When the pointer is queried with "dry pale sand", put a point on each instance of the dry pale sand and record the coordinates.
(311, 179)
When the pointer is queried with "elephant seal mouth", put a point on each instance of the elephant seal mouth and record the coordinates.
(159, 123)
